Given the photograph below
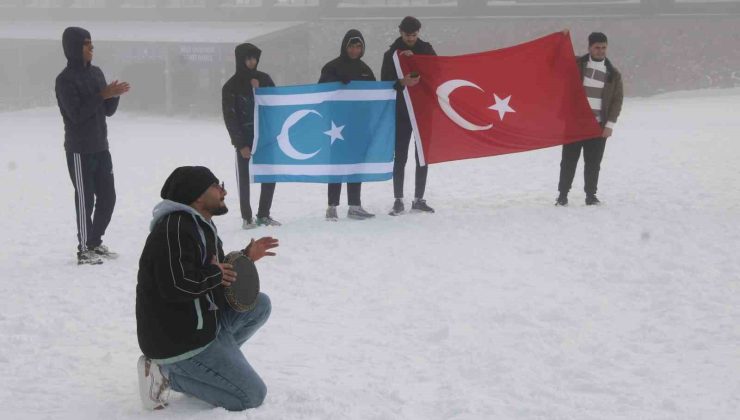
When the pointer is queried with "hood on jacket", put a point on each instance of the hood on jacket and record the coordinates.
(244, 51)
(351, 35)
(72, 41)
(166, 207)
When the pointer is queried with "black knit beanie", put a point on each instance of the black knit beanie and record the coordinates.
(186, 183)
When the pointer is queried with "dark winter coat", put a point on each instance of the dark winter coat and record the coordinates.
(78, 89)
(178, 288)
(237, 97)
(344, 69)
(388, 69)
(613, 93)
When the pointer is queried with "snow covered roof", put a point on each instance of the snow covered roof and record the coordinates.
(206, 32)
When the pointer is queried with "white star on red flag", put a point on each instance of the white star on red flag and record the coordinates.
(502, 106)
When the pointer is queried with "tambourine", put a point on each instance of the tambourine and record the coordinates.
(242, 294)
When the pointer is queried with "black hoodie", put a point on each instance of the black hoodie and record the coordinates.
(344, 69)
(388, 70)
(78, 89)
(237, 97)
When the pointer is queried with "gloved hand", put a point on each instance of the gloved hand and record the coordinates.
(345, 80)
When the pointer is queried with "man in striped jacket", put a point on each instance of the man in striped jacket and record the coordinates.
(189, 335)
(602, 83)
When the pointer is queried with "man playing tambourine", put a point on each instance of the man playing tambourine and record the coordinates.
(189, 335)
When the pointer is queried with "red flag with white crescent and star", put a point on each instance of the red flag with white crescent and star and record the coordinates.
(519, 98)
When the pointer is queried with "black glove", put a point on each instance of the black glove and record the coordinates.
(345, 80)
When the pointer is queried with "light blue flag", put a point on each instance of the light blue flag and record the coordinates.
(329, 132)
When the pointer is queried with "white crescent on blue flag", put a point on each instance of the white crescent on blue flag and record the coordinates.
(326, 133)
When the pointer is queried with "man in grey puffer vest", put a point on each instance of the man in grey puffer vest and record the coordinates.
(85, 100)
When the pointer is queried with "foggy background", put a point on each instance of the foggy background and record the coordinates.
(178, 53)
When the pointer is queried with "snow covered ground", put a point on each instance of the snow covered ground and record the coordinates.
(500, 306)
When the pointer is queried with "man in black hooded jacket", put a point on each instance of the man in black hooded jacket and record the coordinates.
(408, 43)
(345, 68)
(237, 103)
(85, 100)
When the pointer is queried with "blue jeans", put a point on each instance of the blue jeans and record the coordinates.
(220, 374)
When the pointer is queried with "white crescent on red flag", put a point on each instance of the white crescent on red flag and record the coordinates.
(519, 98)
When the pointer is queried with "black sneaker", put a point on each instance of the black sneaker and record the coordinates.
(397, 207)
(88, 257)
(421, 205)
(562, 200)
(591, 200)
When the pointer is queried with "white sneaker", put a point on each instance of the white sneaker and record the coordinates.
(267, 221)
(358, 213)
(154, 388)
(104, 252)
(331, 214)
(248, 224)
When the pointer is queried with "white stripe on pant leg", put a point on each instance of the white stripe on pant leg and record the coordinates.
(75, 158)
(236, 167)
(81, 201)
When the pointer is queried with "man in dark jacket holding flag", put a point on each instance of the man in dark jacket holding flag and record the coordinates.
(237, 102)
(85, 100)
(189, 335)
(408, 43)
(345, 68)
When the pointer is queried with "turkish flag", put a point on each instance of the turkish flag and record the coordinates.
(519, 98)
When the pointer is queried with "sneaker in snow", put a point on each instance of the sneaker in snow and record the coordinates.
(591, 200)
(358, 213)
(331, 214)
(267, 221)
(562, 200)
(248, 224)
(104, 252)
(397, 207)
(420, 204)
(88, 257)
(154, 388)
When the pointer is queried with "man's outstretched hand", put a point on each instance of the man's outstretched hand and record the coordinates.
(261, 248)
(115, 89)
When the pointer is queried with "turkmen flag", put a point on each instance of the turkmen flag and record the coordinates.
(326, 133)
